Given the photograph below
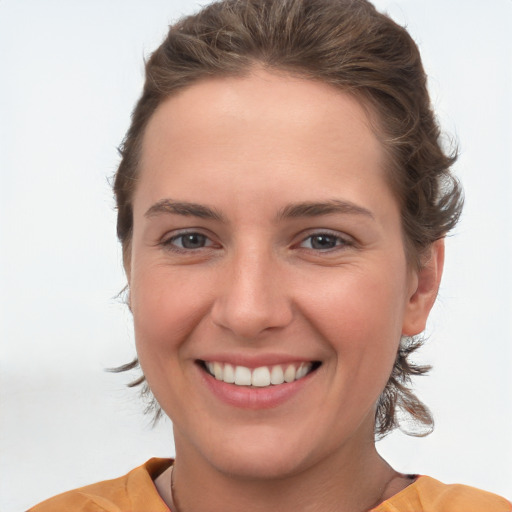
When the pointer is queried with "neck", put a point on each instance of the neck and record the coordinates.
(349, 483)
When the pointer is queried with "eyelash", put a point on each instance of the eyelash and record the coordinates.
(169, 243)
(339, 241)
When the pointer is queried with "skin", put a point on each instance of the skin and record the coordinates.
(260, 287)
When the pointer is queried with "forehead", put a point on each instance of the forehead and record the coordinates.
(269, 105)
(264, 126)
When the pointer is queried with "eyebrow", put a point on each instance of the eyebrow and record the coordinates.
(295, 210)
(315, 209)
(183, 208)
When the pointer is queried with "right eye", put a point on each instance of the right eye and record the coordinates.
(188, 241)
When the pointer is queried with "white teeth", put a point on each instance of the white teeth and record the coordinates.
(229, 374)
(262, 376)
(289, 373)
(276, 375)
(242, 376)
(302, 371)
(218, 371)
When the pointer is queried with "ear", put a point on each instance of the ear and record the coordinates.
(127, 264)
(424, 287)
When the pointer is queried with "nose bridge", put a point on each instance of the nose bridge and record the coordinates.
(251, 298)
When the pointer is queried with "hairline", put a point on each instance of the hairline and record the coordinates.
(361, 94)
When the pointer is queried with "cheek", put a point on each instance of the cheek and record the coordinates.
(167, 306)
(360, 316)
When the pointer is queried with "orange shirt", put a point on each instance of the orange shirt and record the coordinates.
(135, 492)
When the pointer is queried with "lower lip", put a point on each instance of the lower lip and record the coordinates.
(246, 397)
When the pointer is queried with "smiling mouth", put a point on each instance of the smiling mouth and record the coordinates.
(260, 377)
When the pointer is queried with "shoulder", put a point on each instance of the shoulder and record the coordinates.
(459, 497)
(132, 492)
(427, 494)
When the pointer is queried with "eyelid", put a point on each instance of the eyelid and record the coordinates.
(346, 240)
(167, 240)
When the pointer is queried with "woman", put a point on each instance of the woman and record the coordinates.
(282, 203)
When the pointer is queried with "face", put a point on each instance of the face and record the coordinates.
(268, 279)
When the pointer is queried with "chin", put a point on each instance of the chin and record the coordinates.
(264, 455)
(259, 465)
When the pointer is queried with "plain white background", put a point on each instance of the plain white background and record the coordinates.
(71, 72)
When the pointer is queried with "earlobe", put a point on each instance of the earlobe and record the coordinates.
(424, 292)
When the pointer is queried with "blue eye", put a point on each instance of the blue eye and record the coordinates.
(323, 242)
(189, 241)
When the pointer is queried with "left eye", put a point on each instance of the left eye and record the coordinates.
(190, 241)
(322, 241)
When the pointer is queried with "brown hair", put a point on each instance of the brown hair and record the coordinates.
(350, 45)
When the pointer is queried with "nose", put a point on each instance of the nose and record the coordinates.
(252, 298)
